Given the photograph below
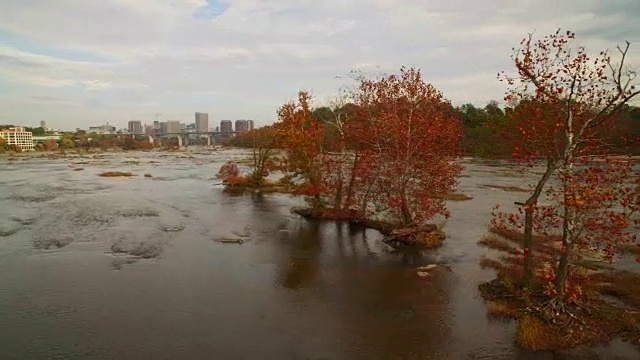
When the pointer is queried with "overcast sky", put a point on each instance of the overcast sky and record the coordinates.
(75, 63)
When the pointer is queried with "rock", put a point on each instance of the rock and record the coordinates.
(426, 267)
(173, 228)
(148, 175)
(231, 241)
(423, 274)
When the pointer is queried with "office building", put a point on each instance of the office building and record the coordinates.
(102, 129)
(162, 129)
(202, 122)
(173, 127)
(226, 126)
(250, 125)
(135, 127)
(242, 125)
(17, 137)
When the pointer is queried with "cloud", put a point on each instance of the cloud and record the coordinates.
(117, 59)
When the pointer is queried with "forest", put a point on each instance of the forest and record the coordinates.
(480, 129)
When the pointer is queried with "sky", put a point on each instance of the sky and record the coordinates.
(80, 63)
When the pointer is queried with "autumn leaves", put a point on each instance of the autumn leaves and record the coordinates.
(392, 151)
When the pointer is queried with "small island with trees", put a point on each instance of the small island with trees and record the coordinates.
(386, 155)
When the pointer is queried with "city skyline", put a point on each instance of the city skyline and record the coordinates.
(243, 59)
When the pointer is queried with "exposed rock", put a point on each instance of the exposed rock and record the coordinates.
(230, 241)
(173, 228)
(117, 264)
(426, 267)
(144, 250)
(48, 243)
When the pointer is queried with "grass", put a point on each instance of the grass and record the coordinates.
(633, 249)
(495, 242)
(531, 333)
(541, 327)
(116, 174)
(453, 197)
(506, 188)
(500, 309)
(244, 184)
(428, 240)
(623, 285)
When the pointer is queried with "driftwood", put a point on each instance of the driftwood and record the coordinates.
(230, 241)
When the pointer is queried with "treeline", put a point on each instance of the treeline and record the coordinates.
(483, 133)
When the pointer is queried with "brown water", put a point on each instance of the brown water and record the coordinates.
(294, 289)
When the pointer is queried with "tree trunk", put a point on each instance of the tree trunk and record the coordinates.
(338, 199)
(562, 271)
(407, 218)
(352, 180)
(528, 223)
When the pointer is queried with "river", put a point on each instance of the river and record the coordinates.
(294, 289)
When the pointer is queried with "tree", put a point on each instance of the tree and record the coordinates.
(301, 135)
(564, 102)
(263, 140)
(67, 143)
(3, 144)
(409, 137)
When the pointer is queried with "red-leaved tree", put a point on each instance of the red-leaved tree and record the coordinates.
(564, 106)
(301, 135)
(409, 138)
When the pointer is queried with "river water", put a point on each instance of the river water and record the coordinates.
(294, 289)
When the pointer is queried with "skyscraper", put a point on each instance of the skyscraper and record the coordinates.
(250, 125)
(135, 127)
(174, 127)
(202, 122)
(226, 126)
(241, 125)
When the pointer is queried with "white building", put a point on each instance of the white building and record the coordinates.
(102, 129)
(18, 137)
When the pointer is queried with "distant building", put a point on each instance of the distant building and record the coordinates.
(242, 125)
(226, 126)
(102, 129)
(250, 124)
(148, 129)
(43, 124)
(162, 128)
(135, 127)
(16, 136)
(173, 127)
(202, 122)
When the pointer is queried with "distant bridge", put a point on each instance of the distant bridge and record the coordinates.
(183, 137)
